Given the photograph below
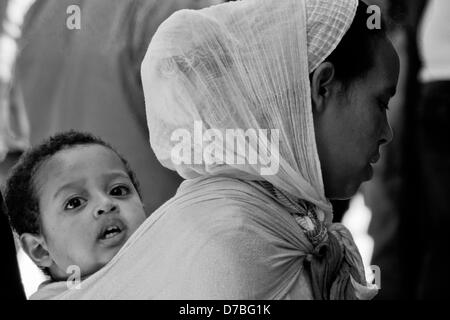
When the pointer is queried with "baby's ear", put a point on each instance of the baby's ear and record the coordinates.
(36, 248)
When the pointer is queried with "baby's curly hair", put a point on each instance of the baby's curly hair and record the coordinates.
(20, 194)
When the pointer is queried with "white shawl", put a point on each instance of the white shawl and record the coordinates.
(218, 238)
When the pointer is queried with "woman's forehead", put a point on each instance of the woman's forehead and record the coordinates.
(387, 63)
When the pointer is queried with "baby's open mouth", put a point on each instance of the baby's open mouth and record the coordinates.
(113, 232)
(110, 232)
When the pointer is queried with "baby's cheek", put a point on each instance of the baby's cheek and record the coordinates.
(139, 210)
(137, 220)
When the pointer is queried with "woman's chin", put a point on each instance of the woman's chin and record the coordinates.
(345, 193)
(368, 173)
(345, 190)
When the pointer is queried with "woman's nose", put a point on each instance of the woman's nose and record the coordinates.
(106, 207)
(388, 133)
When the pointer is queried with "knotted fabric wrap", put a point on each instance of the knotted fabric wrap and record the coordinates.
(226, 235)
(333, 274)
(223, 238)
(334, 266)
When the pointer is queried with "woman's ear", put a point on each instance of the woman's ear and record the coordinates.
(322, 81)
(36, 248)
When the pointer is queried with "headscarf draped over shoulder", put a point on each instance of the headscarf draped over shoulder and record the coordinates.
(243, 65)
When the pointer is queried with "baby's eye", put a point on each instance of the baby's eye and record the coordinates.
(74, 203)
(120, 191)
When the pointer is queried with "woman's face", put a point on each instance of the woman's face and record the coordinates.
(352, 125)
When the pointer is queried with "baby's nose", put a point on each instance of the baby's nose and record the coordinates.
(107, 208)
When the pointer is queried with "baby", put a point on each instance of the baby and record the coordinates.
(74, 202)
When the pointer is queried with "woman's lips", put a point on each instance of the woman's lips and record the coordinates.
(375, 159)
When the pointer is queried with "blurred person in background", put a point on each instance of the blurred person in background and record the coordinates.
(87, 78)
(382, 194)
(14, 127)
(433, 126)
(409, 195)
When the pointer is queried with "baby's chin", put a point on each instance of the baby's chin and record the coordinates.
(109, 253)
(103, 260)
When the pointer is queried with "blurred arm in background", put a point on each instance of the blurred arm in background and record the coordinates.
(14, 127)
(12, 288)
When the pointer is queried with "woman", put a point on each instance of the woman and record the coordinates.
(257, 227)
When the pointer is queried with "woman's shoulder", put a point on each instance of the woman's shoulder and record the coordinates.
(222, 209)
(226, 202)
(231, 195)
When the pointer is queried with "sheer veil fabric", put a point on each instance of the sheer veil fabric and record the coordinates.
(244, 65)
(240, 65)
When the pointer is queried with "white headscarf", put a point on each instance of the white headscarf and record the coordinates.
(244, 65)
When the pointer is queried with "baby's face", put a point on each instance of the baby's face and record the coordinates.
(89, 208)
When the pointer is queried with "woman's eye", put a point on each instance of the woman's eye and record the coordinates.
(120, 191)
(74, 203)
